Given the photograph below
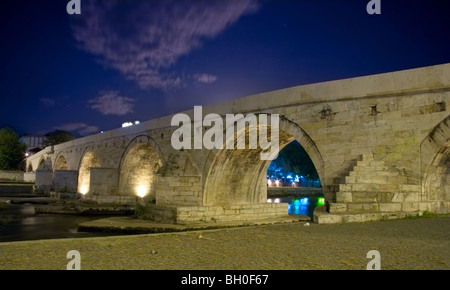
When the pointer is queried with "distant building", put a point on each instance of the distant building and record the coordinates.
(33, 143)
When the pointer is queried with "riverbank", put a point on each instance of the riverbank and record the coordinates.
(419, 243)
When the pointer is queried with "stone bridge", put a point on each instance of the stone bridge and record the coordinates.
(380, 144)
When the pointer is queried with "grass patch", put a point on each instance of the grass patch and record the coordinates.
(427, 214)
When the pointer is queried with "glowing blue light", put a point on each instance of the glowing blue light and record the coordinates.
(304, 201)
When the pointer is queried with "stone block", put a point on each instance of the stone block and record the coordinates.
(385, 196)
(344, 197)
(410, 206)
(372, 178)
(410, 196)
(328, 219)
(370, 217)
(409, 188)
(365, 197)
(355, 207)
(352, 218)
(390, 207)
(398, 197)
(338, 207)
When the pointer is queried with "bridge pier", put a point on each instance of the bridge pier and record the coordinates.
(43, 181)
(65, 180)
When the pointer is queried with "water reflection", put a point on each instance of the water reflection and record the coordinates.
(300, 205)
(19, 222)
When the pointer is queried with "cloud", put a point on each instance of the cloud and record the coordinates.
(205, 78)
(81, 128)
(47, 102)
(144, 39)
(110, 103)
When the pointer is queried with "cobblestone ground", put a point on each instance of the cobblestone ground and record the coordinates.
(422, 243)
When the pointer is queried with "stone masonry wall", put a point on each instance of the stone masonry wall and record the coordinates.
(213, 214)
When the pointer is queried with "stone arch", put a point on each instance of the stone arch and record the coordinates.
(44, 164)
(88, 161)
(138, 167)
(61, 163)
(235, 177)
(29, 168)
(435, 163)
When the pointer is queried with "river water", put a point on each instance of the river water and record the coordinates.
(300, 205)
(19, 222)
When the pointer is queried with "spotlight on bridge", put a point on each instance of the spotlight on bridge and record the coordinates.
(142, 191)
(83, 190)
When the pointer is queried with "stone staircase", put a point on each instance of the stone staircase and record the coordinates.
(372, 191)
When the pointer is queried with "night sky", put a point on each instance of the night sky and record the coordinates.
(124, 61)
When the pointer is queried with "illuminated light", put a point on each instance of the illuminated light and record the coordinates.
(269, 200)
(269, 182)
(304, 201)
(320, 201)
(84, 189)
(141, 191)
(277, 182)
(127, 124)
(136, 122)
(277, 200)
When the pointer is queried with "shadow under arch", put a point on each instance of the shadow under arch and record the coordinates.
(138, 167)
(44, 164)
(435, 164)
(238, 176)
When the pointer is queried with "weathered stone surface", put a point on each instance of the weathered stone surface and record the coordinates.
(389, 161)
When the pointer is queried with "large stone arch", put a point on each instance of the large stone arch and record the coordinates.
(138, 166)
(235, 177)
(88, 161)
(435, 163)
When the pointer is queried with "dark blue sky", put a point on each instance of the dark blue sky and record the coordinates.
(138, 60)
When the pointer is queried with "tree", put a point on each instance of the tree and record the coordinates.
(12, 151)
(293, 158)
(58, 137)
